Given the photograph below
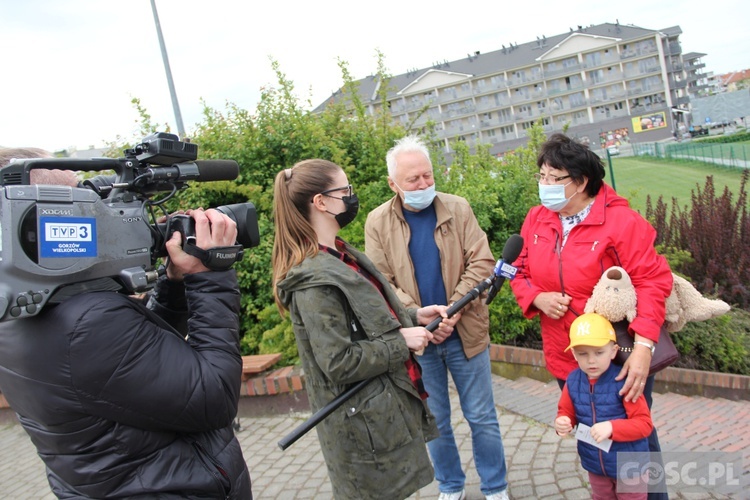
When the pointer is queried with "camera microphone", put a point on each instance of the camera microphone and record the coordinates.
(504, 268)
(198, 170)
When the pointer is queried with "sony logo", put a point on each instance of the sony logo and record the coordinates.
(128, 220)
(55, 211)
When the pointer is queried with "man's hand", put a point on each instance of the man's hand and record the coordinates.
(212, 229)
(427, 314)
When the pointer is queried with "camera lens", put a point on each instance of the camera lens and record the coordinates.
(244, 215)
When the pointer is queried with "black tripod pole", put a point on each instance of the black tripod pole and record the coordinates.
(319, 415)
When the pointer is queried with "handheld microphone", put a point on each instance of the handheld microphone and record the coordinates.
(504, 268)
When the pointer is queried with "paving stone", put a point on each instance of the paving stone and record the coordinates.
(540, 463)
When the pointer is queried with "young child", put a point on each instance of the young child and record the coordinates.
(591, 397)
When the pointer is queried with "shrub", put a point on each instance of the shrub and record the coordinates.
(720, 344)
(716, 233)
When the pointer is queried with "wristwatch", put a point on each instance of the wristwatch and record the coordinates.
(652, 347)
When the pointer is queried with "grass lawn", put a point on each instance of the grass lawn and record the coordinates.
(637, 177)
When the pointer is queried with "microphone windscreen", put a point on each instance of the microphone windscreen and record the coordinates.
(512, 248)
(217, 170)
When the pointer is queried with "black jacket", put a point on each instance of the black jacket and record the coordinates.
(118, 405)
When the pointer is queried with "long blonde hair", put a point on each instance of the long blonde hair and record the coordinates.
(295, 239)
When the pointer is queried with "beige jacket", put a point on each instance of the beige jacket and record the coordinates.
(466, 260)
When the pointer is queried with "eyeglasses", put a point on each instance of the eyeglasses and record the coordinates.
(348, 188)
(550, 179)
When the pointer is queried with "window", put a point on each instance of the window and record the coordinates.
(577, 99)
(596, 76)
(594, 59)
(498, 81)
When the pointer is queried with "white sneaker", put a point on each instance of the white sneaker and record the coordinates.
(503, 495)
(458, 495)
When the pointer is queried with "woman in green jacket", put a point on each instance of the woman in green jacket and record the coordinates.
(350, 326)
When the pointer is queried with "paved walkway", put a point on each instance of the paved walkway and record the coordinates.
(540, 464)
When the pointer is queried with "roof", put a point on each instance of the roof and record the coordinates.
(734, 77)
(689, 56)
(510, 56)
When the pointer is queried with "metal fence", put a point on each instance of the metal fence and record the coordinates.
(729, 154)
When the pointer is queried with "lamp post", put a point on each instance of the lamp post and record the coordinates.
(172, 93)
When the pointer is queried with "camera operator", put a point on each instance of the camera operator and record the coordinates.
(117, 402)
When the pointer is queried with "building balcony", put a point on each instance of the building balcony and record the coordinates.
(638, 53)
(554, 73)
(452, 96)
(565, 90)
(610, 115)
(677, 84)
(460, 111)
(605, 61)
(598, 82)
(645, 90)
(525, 80)
(630, 75)
(533, 96)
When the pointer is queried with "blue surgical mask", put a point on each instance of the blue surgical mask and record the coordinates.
(419, 199)
(553, 196)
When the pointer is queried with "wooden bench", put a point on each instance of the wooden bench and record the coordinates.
(257, 363)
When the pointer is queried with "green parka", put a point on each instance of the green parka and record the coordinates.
(374, 444)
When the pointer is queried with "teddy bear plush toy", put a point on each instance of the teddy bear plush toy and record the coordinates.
(614, 298)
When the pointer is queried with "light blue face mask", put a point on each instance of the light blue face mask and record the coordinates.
(553, 196)
(419, 199)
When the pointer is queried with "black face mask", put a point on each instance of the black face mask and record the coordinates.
(350, 212)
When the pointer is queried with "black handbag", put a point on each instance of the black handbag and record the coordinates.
(665, 353)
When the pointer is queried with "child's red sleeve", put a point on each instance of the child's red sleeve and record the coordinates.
(565, 406)
(638, 425)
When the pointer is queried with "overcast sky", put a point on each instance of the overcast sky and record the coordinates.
(70, 68)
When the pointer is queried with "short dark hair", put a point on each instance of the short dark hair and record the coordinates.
(564, 153)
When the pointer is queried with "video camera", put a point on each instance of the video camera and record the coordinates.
(58, 241)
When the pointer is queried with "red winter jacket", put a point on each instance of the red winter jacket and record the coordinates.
(612, 234)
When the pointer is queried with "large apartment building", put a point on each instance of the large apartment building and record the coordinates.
(609, 83)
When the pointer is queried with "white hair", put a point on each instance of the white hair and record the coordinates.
(408, 144)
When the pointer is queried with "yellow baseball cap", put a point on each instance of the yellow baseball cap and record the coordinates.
(591, 329)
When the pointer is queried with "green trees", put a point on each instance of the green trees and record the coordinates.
(280, 132)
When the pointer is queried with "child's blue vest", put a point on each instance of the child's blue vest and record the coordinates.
(598, 403)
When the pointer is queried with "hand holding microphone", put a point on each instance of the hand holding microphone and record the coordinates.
(503, 270)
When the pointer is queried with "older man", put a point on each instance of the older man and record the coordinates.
(430, 247)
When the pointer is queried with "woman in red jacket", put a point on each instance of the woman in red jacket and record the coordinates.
(582, 228)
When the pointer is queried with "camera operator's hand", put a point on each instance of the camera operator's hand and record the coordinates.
(212, 229)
